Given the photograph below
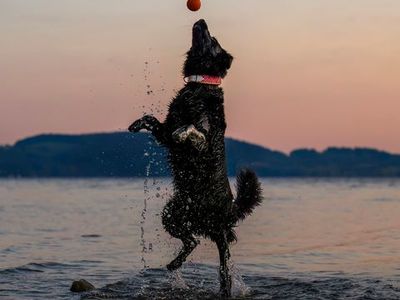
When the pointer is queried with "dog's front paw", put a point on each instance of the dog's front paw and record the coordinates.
(198, 139)
(136, 126)
(190, 133)
(147, 122)
(180, 135)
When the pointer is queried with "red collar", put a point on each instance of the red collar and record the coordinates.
(204, 79)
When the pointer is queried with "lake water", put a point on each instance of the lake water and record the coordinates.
(311, 239)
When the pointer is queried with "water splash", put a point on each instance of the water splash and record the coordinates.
(176, 280)
(151, 155)
(239, 287)
(147, 197)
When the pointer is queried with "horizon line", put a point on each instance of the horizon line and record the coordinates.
(229, 137)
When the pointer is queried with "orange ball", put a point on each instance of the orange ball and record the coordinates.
(194, 5)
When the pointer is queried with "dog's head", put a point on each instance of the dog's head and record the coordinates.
(206, 56)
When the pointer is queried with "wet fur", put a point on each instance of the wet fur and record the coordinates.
(193, 133)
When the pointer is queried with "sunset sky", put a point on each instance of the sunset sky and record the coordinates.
(307, 73)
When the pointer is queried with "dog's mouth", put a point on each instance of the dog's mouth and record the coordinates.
(201, 40)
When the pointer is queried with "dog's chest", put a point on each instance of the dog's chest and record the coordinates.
(195, 110)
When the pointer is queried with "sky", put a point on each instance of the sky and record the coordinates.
(307, 74)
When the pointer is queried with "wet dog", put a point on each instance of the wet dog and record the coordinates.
(193, 133)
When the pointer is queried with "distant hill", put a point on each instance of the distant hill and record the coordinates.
(128, 155)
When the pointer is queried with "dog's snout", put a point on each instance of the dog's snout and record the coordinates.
(200, 25)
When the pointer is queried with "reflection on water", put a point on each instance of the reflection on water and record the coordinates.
(319, 238)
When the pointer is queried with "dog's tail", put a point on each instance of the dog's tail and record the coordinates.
(249, 193)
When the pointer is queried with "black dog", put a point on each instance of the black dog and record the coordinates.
(193, 132)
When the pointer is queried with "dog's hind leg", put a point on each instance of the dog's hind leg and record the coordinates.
(177, 226)
(224, 256)
(189, 243)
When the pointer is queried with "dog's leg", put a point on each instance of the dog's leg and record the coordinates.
(151, 124)
(224, 256)
(189, 244)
